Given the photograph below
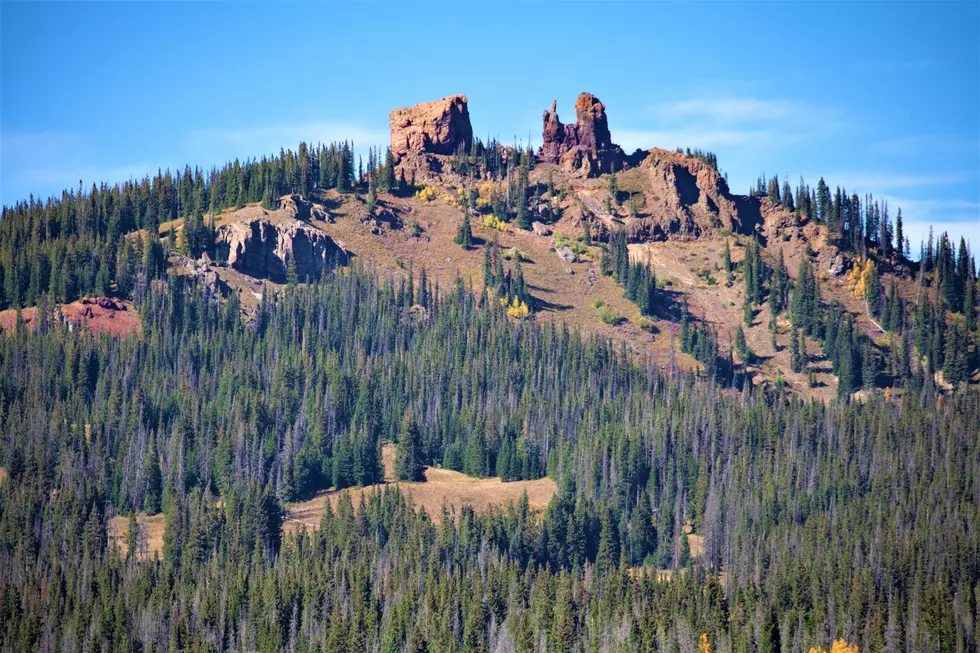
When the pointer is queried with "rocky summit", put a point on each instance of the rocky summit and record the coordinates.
(439, 127)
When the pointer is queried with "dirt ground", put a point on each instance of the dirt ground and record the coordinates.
(98, 314)
(442, 487)
(680, 263)
(151, 540)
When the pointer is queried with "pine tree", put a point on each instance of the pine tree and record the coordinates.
(740, 345)
(613, 190)
(464, 233)
(389, 177)
(770, 641)
(794, 351)
(899, 234)
(372, 198)
(969, 298)
(803, 358)
(727, 264)
(409, 464)
(643, 536)
(133, 535)
(523, 215)
(292, 278)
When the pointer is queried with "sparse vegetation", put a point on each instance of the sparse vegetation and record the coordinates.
(609, 315)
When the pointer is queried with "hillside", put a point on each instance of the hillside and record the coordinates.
(674, 208)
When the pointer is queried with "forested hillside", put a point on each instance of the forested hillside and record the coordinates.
(755, 415)
(820, 521)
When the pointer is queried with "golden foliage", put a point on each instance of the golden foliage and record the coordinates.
(703, 645)
(518, 309)
(458, 200)
(493, 222)
(858, 278)
(484, 197)
(426, 194)
(840, 646)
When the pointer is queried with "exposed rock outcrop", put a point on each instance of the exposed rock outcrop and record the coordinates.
(203, 270)
(263, 248)
(438, 127)
(294, 206)
(686, 197)
(587, 145)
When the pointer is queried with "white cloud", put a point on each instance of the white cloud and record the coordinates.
(730, 121)
(908, 146)
(46, 162)
(883, 182)
(733, 109)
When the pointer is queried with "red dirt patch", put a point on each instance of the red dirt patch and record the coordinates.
(98, 314)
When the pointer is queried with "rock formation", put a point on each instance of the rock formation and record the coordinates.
(438, 127)
(587, 145)
(263, 248)
(686, 197)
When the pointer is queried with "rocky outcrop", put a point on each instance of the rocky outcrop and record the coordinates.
(686, 197)
(294, 206)
(566, 254)
(263, 248)
(438, 127)
(587, 145)
(205, 272)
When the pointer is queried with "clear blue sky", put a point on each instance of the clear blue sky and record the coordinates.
(879, 98)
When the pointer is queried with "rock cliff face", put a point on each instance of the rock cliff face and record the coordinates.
(438, 127)
(587, 145)
(263, 248)
(687, 197)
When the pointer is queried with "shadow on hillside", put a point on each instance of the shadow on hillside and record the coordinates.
(668, 306)
(543, 305)
(749, 216)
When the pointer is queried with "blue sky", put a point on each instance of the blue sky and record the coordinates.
(880, 98)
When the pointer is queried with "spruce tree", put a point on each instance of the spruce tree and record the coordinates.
(409, 464)
(727, 264)
(794, 351)
(464, 233)
(389, 177)
(740, 345)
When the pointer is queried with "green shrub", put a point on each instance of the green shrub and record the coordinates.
(610, 315)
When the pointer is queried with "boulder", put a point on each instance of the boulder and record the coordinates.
(835, 267)
(263, 248)
(587, 145)
(566, 254)
(540, 228)
(438, 127)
